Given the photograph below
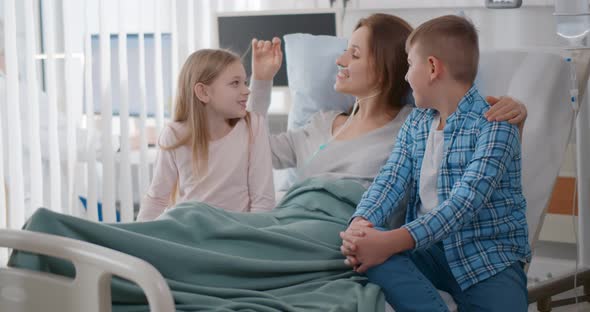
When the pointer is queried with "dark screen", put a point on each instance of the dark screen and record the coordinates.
(236, 33)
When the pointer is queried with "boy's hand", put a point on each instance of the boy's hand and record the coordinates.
(506, 108)
(355, 229)
(371, 249)
(267, 58)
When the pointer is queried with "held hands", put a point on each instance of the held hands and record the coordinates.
(267, 58)
(364, 246)
(349, 248)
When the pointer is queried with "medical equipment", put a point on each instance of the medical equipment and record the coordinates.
(503, 4)
(573, 85)
(573, 24)
(573, 20)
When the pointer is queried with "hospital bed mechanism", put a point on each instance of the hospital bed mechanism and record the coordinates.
(543, 292)
(89, 290)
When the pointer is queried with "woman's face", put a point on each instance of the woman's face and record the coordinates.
(356, 75)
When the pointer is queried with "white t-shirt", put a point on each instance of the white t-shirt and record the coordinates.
(430, 168)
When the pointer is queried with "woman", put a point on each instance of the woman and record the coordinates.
(372, 69)
(287, 259)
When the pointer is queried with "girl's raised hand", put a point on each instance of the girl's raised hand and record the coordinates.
(267, 58)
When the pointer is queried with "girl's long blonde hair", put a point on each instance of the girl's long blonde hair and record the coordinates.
(203, 66)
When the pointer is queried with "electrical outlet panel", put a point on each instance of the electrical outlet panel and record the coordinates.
(503, 4)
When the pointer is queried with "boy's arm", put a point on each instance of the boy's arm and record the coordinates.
(389, 188)
(497, 144)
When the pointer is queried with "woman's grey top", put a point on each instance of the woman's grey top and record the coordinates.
(314, 153)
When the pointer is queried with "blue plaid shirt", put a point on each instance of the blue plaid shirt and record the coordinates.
(481, 213)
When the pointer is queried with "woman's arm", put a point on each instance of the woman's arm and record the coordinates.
(159, 195)
(260, 179)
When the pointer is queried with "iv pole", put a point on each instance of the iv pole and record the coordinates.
(580, 58)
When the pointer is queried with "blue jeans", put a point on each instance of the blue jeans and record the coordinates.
(410, 281)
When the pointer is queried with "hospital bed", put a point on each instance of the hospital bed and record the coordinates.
(515, 73)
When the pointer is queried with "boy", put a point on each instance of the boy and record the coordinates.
(465, 230)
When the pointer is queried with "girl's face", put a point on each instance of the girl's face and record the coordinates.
(229, 92)
(356, 75)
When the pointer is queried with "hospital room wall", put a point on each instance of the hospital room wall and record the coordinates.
(524, 27)
(530, 26)
(139, 16)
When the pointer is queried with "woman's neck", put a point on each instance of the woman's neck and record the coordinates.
(371, 115)
(370, 109)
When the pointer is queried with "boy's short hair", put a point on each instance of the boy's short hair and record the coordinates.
(452, 39)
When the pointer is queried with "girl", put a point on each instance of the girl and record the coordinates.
(215, 151)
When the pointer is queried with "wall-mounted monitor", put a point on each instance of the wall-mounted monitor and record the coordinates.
(234, 31)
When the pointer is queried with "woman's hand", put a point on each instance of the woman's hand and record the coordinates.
(267, 58)
(373, 247)
(506, 108)
(355, 229)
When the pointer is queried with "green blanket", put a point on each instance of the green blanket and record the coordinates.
(214, 260)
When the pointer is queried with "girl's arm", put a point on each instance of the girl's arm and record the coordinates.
(159, 195)
(282, 146)
(259, 99)
(267, 58)
(260, 178)
(266, 61)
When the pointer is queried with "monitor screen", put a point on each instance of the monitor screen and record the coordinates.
(236, 33)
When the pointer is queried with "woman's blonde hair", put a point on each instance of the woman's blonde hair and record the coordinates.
(203, 66)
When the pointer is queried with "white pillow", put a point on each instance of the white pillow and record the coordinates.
(540, 79)
(311, 71)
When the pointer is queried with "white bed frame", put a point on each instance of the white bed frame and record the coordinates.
(90, 290)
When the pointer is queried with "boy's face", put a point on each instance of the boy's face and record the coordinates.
(419, 77)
